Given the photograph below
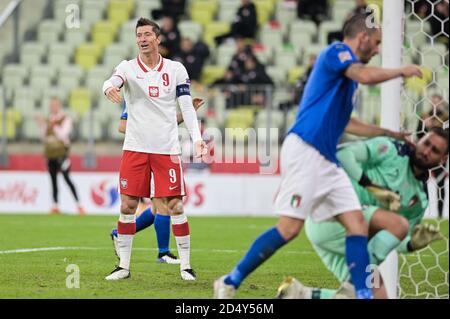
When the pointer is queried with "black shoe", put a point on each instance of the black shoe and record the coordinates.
(167, 258)
(119, 273)
(188, 274)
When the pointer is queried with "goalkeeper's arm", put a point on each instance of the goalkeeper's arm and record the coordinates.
(351, 158)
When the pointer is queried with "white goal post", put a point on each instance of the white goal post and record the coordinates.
(407, 36)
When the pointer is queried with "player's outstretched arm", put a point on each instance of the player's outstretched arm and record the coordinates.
(374, 75)
(197, 102)
(111, 87)
(359, 128)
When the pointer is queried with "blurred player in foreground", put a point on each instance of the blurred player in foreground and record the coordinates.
(146, 217)
(56, 130)
(312, 183)
(378, 167)
(151, 165)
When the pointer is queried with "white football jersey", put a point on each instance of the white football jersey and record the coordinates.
(151, 104)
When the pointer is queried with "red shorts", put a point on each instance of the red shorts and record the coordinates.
(151, 175)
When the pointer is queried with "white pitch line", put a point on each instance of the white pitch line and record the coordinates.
(221, 251)
(32, 250)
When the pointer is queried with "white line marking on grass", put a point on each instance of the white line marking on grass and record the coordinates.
(199, 250)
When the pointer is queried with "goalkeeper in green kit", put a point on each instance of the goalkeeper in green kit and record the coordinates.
(390, 180)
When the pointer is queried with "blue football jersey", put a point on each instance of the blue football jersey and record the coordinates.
(327, 102)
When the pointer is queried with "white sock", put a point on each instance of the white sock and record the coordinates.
(126, 229)
(180, 229)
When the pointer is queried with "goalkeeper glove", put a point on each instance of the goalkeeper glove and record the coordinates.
(423, 235)
(387, 198)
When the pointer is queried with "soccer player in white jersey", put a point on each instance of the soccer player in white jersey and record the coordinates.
(151, 165)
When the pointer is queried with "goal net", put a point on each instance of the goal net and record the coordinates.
(424, 274)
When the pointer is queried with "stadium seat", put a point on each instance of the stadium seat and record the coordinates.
(295, 73)
(214, 29)
(114, 54)
(110, 111)
(286, 12)
(87, 55)
(119, 11)
(49, 31)
(30, 127)
(227, 12)
(225, 53)
(264, 9)
(31, 53)
(210, 5)
(59, 54)
(312, 49)
(303, 26)
(272, 39)
(41, 78)
(24, 100)
(88, 129)
(13, 118)
(15, 73)
(281, 95)
(104, 33)
(285, 59)
(300, 40)
(211, 73)
(95, 78)
(80, 101)
(203, 16)
(113, 132)
(243, 118)
(277, 74)
(144, 7)
(73, 37)
(276, 119)
(340, 13)
(190, 29)
(92, 11)
(327, 27)
(70, 76)
(126, 34)
(262, 53)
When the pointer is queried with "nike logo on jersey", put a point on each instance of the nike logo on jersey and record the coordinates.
(171, 188)
(139, 77)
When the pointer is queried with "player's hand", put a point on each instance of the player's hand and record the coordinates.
(113, 94)
(197, 102)
(201, 149)
(423, 235)
(411, 70)
(387, 198)
(402, 136)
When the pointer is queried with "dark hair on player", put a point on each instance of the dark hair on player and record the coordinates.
(144, 21)
(442, 133)
(359, 23)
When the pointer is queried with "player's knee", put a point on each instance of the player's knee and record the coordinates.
(289, 230)
(175, 206)
(401, 227)
(357, 226)
(128, 207)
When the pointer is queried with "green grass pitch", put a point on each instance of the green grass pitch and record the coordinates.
(217, 243)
